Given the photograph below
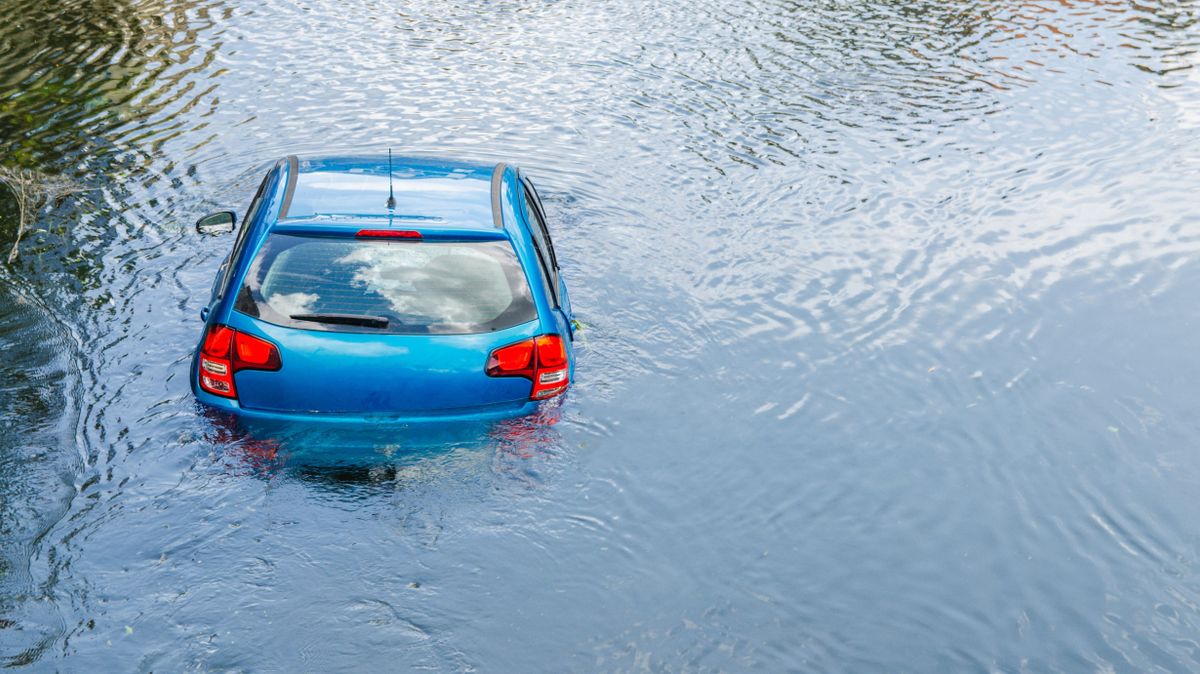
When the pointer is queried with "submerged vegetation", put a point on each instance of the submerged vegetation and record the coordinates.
(33, 191)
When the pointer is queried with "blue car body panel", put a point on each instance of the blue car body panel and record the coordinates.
(481, 413)
(355, 376)
(348, 372)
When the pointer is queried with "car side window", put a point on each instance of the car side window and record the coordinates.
(251, 214)
(546, 258)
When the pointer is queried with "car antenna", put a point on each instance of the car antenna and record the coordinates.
(391, 203)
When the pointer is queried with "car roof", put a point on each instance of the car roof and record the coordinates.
(429, 193)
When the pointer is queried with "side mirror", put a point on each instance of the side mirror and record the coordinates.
(217, 223)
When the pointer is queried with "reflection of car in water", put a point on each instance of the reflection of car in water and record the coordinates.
(513, 446)
(360, 288)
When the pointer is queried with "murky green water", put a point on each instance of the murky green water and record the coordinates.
(891, 356)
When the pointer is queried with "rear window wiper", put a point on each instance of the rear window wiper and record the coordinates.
(344, 319)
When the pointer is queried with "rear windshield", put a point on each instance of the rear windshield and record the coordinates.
(391, 287)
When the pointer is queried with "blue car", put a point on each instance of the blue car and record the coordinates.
(366, 287)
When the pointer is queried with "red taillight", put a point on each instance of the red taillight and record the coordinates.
(552, 352)
(226, 351)
(216, 367)
(388, 234)
(552, 367)
(216, 342)
(542, 360)
(252, 353)
(513, 360)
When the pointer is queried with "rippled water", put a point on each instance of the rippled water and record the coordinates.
(890, 359)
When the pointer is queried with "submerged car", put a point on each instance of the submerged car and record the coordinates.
(367, 287)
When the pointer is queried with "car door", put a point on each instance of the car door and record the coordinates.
(536, 216)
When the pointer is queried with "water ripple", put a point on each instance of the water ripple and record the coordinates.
(884, 362)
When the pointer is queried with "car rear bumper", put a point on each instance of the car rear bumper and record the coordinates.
(480, 413)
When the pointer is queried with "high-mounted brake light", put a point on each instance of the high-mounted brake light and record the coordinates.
(543, 360)
(226, 351)
(388, 234)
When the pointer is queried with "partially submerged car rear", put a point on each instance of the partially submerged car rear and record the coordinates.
(436, 306)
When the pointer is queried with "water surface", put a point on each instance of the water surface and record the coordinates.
(890, 359)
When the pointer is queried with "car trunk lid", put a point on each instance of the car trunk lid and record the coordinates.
(363, 373)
